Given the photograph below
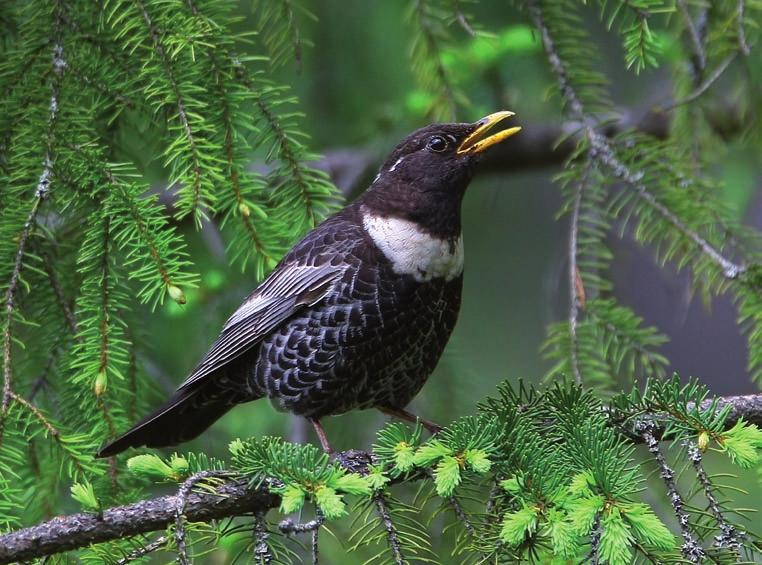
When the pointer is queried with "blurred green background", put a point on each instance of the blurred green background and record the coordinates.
(358, 93)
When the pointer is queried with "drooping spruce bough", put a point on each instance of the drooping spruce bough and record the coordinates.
(84, 251)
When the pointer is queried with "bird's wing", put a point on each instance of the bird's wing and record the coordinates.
(287, 289)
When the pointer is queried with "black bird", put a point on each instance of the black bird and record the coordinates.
(358, 313)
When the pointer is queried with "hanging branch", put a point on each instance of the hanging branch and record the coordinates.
(576, 290)
(58, 67)
(197, 206)
(691, 548)
(729, 535)
(600, 151)
(262, 553)
(391, 530)
(182, 500)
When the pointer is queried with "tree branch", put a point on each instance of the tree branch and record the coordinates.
(235, 498)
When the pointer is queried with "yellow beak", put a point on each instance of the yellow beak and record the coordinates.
(476, 143)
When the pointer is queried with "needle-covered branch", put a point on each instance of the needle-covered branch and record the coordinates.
(235, 498)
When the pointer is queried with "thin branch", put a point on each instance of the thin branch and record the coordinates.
(262, 553)
(288, 526)
(594, 557)
(156, 544)
(601, 151)
(729, 536)
(52, 430)
(740, 14)
(182, 113)
(691, 548)
(704, 86)
(575, 299)
(695, 37)
(55, 284)
(58, 64)
(391, 530)
(181, 501)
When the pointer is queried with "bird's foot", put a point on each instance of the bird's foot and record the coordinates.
(321, 435)
(433, 428)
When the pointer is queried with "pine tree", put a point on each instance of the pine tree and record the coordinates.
(550, 473)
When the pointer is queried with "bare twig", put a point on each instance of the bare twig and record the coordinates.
(288, 526)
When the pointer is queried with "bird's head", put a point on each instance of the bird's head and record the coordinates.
(426, 175)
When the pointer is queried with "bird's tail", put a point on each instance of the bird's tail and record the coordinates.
(183, 417)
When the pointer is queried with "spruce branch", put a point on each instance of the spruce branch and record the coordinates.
(729, 535)
(695, 36)
(237, 498)
(198, 205)
(429, 34)
(691, 548)
(576, 290)
(705, 85)
(262, 552)
(391, 530)
(602, 152)
(58, 67)
(740, 15)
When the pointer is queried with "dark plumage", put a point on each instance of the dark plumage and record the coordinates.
(357, 314)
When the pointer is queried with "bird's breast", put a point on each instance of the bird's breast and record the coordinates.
(413, 251)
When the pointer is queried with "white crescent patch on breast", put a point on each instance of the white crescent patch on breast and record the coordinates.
(412, 251)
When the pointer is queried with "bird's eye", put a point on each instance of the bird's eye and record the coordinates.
(437, 143)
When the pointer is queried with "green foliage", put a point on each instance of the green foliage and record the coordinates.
(301, 471)
(641, 46)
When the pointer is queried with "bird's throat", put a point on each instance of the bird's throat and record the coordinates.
(412, 250)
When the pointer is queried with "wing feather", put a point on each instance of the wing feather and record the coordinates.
(288, 289)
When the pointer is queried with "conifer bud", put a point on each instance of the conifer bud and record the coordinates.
(176, 294)
(703, 441)
(101, 381)
(244, 210)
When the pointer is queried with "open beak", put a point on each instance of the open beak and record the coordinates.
(476, 142)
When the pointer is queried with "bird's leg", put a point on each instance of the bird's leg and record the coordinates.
(410, 417)
(321, 435)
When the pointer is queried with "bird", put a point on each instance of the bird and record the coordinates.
(357, 314)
